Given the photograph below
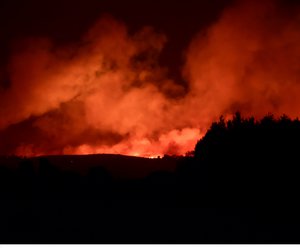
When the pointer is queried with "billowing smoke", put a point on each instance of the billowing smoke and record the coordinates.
(107, 93)
(247, 61)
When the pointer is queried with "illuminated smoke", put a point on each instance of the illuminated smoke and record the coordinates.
(247, 61)
(108, 94)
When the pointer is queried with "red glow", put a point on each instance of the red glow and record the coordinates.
(108, 94)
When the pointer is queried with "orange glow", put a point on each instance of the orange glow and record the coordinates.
(176, 142)
(108, 93)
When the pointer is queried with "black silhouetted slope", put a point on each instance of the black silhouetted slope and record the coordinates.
(254, 166)
(241, 186)
(247, 160)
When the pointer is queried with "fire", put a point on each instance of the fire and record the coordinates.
(176, 142)
(108, 94)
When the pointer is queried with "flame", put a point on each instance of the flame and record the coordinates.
(176, 142)
(107, 93)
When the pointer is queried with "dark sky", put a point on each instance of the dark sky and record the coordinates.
(249, 53)
(66, 20)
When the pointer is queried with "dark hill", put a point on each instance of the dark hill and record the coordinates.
(241, 186)
(120, 166)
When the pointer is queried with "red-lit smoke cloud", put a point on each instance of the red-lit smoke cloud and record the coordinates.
(108, 94)
(247, 61)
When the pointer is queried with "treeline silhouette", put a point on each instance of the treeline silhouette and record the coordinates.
(241, 185)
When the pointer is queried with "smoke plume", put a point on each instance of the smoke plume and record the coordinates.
(107, 93)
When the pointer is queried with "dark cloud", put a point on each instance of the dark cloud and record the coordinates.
(66, 20)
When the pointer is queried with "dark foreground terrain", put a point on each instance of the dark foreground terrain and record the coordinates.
(241, 186)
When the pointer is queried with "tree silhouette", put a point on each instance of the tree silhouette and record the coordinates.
(240, 184)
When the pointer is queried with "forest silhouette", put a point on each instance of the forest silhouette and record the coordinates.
(240, 185)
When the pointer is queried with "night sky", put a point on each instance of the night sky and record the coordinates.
(204, 88)
(66, 20)
(93, 77)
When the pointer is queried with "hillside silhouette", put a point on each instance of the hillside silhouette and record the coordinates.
(240, 185)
